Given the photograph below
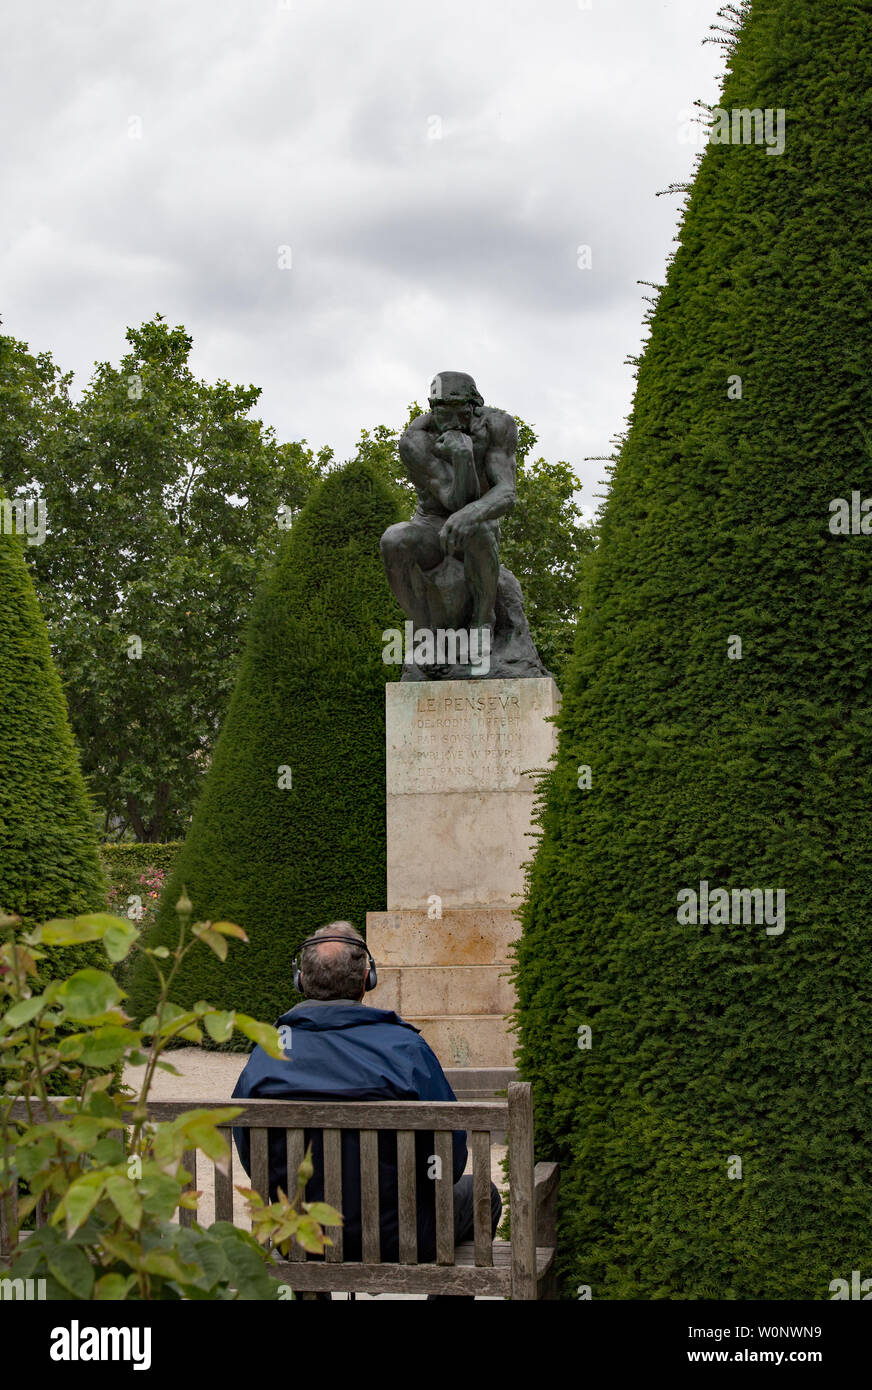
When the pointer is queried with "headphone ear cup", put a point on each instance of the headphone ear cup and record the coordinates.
(371, 976)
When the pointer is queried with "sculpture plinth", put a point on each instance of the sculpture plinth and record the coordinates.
(462, 760)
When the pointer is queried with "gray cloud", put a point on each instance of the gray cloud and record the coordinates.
(433, 168)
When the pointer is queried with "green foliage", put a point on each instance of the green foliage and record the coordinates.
(49, 862)
(108, 1201)
(124, 862)
(717, 1040)
(163, 502)
(283, 860)
(137, 875)
(546, 544)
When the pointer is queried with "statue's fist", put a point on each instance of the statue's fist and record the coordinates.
(453, 444)
(458, 532)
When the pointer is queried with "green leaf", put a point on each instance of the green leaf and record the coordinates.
(306, 1168)
(310, 1236)
(119, 939)
(212, 939)
(88, 995)
(200, 1129)
(107, 1152)
(265, 1034)
(123, 1248)
(322, 1213)
(229, 929)
(81, 1132)
(219, 1025)
(160, 1195)
(72, 1268)
(124, 1197)
(29, 1158)
(166, 1265)
(102, 1047)
(114, 1287)
(79, 1201)
(24, 1010)
(173, 1017)
(73, 931)
(210, 1255)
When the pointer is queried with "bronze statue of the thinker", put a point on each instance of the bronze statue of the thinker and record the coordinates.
(444, 565)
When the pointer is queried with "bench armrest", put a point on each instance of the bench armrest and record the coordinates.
(546, 1184)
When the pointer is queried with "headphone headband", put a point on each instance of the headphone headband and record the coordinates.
(371, 974)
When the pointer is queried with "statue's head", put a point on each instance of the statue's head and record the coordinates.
(454, 398)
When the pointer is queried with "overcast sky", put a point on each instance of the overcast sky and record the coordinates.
(428, 170)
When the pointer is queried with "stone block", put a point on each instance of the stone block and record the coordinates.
(478, 936)
(416, 990)
(468, 1040)
(462, 764)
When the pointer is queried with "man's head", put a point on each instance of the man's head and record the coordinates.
(334, 969)
(454, 398)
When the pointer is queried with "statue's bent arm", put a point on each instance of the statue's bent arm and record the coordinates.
(429, 474)
(499, 466)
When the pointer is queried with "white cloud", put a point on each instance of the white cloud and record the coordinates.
(311, 126)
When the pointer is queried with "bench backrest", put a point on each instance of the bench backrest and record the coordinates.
(479, 1118)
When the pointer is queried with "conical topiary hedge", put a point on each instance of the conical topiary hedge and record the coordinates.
(49, 861)
(279, 859)
(715, 1127)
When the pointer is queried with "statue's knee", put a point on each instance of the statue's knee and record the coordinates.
(396, 543)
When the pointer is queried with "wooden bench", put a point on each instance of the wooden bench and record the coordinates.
(522, 1268)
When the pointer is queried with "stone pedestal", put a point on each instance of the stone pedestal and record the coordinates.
(462, 763)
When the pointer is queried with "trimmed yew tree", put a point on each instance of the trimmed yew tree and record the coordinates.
(289, 831)
(716, 1133)
(49, 859)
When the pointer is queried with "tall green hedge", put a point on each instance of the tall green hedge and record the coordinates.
(713, 1043)
(282, 861)
(49, 861)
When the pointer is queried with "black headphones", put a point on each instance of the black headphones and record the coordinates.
(371, 974)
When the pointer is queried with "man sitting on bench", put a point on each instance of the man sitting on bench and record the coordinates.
(338, 1048)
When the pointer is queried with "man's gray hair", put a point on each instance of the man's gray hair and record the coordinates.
(334, 970)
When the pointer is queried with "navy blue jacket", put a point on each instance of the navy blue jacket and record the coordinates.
(340, 1050)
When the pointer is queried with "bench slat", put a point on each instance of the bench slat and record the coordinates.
(8, 1216)
(524, 1272)
(546, 1179)
(444, 1198)
(333, 1190)
(481, 1181)
(260, 1162)
(295, 1151)
(461, 1278)
(369, 1114)
(407, 1196)
(224, 1184)
(369, 1204)
(189, 1163)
